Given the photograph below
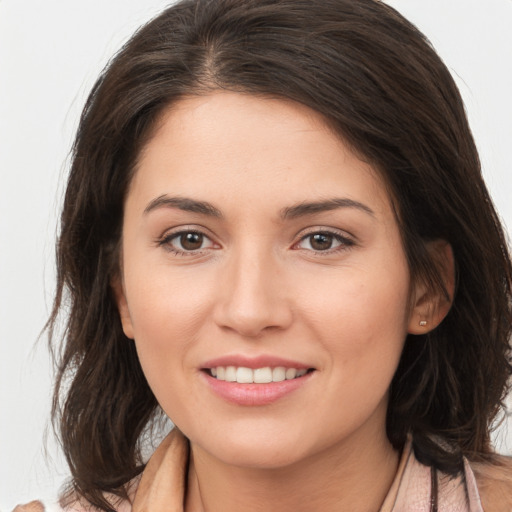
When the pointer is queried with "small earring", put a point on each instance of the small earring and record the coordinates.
(423, 323)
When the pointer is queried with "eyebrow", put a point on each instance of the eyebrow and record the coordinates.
(290, 212)
(183, 203)
(302, 209)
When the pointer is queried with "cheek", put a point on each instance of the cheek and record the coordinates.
(166, 322)
(360, 299)
(361, 322)
(168, 311)
(166, 301)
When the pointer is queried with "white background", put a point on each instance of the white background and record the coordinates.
(50, 54)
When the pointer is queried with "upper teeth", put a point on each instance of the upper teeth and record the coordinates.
(264, 375)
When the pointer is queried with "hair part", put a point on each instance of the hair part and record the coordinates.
(380, 85)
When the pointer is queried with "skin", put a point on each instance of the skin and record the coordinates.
(257, 286)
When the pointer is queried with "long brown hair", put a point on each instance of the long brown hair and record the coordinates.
(377, 81)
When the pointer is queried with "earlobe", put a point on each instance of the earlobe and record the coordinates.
(122, 306)
(431, 307)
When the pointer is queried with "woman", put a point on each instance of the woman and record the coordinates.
(276, 232)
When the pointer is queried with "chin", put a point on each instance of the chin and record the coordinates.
(254, 446)
(259, 456)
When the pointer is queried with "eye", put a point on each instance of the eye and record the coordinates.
(324, 241)
(185, 242)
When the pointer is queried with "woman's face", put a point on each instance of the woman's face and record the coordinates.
(258, 247)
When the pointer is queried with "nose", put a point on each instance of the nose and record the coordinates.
(254, 298)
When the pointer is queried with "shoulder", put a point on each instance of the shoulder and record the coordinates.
(72, 503)
(77, 506)
(38, 506)
(33, 506)
(494, 480)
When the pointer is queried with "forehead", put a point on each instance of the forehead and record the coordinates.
(228, 145)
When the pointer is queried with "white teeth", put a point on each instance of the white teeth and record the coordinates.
(231, 374)
(291, 373)
(278, 374)
(244, 375)
(264, 375)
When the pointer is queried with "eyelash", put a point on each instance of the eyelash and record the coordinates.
(345, 243)
(166, 240)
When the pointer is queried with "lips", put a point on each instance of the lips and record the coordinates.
(255, 381)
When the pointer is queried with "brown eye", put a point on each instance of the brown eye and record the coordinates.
(191, 241)
(321, 241)
(187, 242)
(324, 241)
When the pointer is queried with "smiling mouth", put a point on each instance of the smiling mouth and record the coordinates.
(265, 375)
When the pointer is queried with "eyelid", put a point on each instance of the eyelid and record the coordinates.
(186, 228)
(169, 234)
(347, 240)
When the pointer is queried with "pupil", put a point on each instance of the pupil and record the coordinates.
(321, 242)
(191, 241)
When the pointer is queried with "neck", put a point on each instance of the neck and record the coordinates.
(354, 475)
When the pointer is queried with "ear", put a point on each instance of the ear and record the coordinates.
(117, 286)
(430, 308)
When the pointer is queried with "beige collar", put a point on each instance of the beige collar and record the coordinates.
(162, 485)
